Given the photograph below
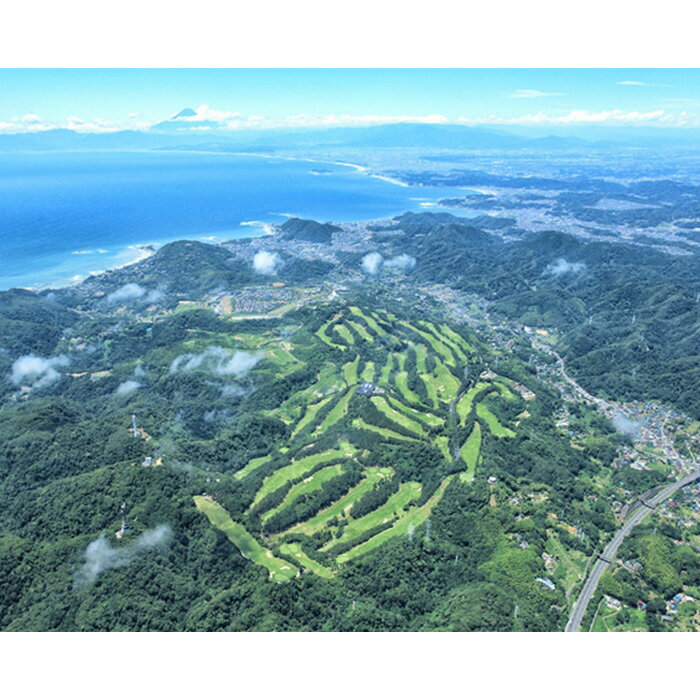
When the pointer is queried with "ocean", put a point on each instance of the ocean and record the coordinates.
(66, 215)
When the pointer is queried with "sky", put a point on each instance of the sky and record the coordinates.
(109, 99)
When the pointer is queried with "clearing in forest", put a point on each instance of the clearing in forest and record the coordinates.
(280, 570)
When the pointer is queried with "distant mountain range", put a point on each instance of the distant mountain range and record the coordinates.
(185, 130)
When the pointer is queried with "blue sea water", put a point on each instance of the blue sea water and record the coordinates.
(66, 215)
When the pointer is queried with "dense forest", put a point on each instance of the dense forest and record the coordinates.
(69, 461)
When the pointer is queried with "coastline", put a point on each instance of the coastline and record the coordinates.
(62, 273)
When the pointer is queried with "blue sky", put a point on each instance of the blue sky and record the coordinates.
(99, 99)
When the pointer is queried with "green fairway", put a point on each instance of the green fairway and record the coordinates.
(442, 442)
(252, 466)
(322, 333)
(371, 323)
(280, 570)
(431, 388)
(342, 506)
(384, 432)
(400, 418)
(464, 405)
(385, 375)
(457, 338)
(449, 341)
(402, 385)
(428, 418)
(344, 333)
(438, 346)
(415, 517)
(367, 374)
(299, 468)
(390, 510)
(360, 330)
(350, 371)
(310, 414)
(447, 385)
(337, 412)
(493, 423)
(310, 484)
(293, 550)
(504, 390)
(469, 452)
(421, 355)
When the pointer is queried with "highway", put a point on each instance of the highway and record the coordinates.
(608, 555)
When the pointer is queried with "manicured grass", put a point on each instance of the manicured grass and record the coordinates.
(367, 374)
(400, 360)
(493, 423)
(427, 418)
(442, 442)
(360, 330)
(447, 384)
(310, 484)
(350, 371)
(415, 517)
(400, 418)
(252, 466)
(322, 333)
(469, 452)
(310, 414)
(344, 333)
(504, 390)
(299, 468)
(421, 355)
(401, 379)
(293, 550)
(438, 346)
(328, 381)
(384, 376)
(337, 412)
(280, 570)
(384, 432)
(371, 323)
(431, 388)
(391, 509)
(464, 405)
(342, 506)
(457, 338)
(449, 341)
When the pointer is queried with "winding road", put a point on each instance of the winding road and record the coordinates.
(608, 555)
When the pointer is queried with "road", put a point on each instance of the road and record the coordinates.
(608, 555)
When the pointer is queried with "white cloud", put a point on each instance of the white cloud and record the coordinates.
(401, 262)
(626, 426)
(266, 263)
(126, 293)
(528, 94)
(127, 387)
(582, 116)
(372, 263)
(561, 266)
(101, 556)
(217, 360)
(631, 82)
(35, 371)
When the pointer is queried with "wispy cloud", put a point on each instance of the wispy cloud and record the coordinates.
(217, 360)
(37, 372)
(100, 555)
(582, 116)
(631, 82)
(527, 94)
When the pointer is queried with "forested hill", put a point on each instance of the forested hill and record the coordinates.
(628, 315)
(308, 230)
